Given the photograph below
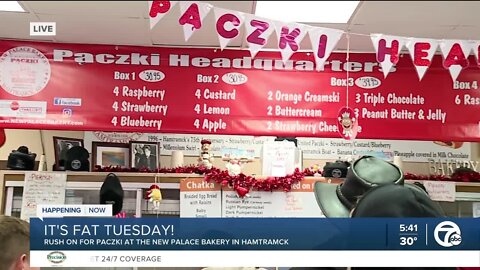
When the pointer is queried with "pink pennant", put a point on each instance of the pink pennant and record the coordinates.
(476, 50)
(323, 41)
(258, 32)
(455, 56)
(422, 52)
(193, 14)
(158, 9)
(289, 38)
(388, 50)
(228, 25)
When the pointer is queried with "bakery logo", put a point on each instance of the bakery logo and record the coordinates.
(77, 102)
(56, 257)
(448, 234)
(25, 71)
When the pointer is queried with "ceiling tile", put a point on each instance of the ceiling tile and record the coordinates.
(21, 21)
(113, 31)
(110, 9)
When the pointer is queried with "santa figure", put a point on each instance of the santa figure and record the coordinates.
(205, 159)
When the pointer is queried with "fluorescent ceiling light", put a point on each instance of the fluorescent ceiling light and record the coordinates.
(307, 11)
(11, 6)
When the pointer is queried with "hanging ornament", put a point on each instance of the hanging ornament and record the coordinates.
(158, 9)
(422, 52)
(388, 50)
(455, 56)
(258, 30)
(192, 16)
(228, 23)
(155, 196)
(347, 123)
(323, 41)
(289, 38)
(347, 119)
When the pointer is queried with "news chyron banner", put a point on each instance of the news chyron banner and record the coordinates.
(247, 242)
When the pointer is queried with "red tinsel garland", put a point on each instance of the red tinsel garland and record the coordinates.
(467, 177)
(243, 184)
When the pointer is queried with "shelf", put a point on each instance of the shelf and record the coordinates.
(176, 177)
(100, 176)
(460, 186)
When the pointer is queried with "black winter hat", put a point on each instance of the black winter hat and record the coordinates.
(364, 174)
(407, 201)
(111, 192)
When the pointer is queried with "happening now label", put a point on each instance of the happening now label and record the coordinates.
(72, 210)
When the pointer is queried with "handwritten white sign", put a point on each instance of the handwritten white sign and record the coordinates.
(441, 190)
(476, 209)
(278, 158)
(42, 188)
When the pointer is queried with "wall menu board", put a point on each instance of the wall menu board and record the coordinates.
(206, 91)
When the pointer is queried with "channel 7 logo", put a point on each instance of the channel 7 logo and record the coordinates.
(448, 234)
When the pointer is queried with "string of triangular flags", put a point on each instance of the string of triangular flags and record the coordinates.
(323, 40)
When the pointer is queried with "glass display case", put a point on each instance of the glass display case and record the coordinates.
(463, 205)
(135, 203)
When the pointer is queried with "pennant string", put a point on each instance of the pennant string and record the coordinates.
(347, 35)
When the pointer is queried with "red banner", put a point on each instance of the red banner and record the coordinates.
(206, 91)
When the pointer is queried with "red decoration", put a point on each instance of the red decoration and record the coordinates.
(466, 177)
(420, 57)
(287, 37)
(228, 34)
(456, 57)
(393, 51)
(241, 183)
(161, 7)
(192, 17)
(121, 215)
(3, 137)
(261, 27)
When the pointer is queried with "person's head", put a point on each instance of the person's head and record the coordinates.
(364, 174)
(147, 150)
(15, 243)
(407, 201)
